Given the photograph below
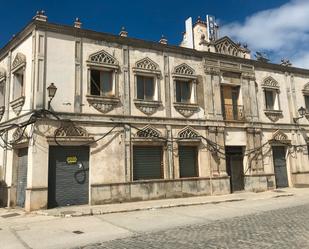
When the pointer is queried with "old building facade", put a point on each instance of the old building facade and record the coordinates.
(135, 120)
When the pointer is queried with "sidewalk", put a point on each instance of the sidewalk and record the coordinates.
(86, 210)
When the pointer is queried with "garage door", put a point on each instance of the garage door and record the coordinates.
(147, 162)
(21, 177)
(187, 161)
(68, 181)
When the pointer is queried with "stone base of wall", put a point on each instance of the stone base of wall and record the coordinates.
(158, 189)
(3, 194)
(259, 183)
(300, 179)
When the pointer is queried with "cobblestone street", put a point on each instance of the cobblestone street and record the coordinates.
(281, 228)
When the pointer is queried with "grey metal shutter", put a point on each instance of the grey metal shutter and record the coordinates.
(147, 162)
(68, 183)
(21, 185)
(187, 161)
(280, 166)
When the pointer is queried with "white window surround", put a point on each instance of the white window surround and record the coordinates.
(103, 61)
(148, 68)
(18, 71)
(183, 72)
(305, 92)
(271, 85)
(2, 94)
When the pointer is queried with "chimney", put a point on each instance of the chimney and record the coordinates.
(40, 16)
(77, 23)
(123, 32)
(163, 40)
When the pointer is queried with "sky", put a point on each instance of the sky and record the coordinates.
(278, 27)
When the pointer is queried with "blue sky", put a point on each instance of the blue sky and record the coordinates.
(243, 20)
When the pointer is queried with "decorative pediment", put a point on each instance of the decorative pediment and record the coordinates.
(186, 110)
(103, 58)
(226, 46)
(273, 115)
(188, 132)
(2, 73)
(306, 89)
(19, 135)
(19, 61)
(103, 104)
(147, 64)
(280, 137)
(270, 82)
(147, 107)
(184, 69)
(68, 129)
(18, 104)
(148, 132)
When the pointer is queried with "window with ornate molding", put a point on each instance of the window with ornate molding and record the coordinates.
(185, 81)
(184, 91)
(18, 71)
(18, 79)
(102, 81)
(147, 77)
(2, 91)
(306, 98)
(145, 88)
(271, 98)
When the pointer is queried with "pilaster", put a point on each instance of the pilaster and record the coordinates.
(127, 160)
(216, 155)
(254, 156)
(126, 81)
(213, 75)
(168, 97)
(78, 76)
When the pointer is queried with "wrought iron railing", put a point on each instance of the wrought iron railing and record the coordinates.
(233, 112)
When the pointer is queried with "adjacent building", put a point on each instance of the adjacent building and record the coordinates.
(137, 120)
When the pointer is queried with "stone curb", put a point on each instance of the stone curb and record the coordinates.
(90, 212)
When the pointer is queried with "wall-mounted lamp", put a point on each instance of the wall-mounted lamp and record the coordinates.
(302, 112)
(52, 89)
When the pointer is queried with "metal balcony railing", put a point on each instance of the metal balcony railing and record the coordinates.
(233, 112)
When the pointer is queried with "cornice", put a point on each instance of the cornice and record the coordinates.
(71, 30)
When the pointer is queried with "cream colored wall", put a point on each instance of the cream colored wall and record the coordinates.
(25, 48)
(60, 70)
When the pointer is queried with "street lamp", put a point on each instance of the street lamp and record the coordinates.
(302, 112)
(52, 89)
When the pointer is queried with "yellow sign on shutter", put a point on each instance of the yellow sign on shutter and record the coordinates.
(71, 159)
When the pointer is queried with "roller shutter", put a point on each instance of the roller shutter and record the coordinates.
(21, 177)
(147, 162)
(68, 182)
(187, 161)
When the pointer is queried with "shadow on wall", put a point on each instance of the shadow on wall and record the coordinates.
(3, 194)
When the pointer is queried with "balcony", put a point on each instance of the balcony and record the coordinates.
(233, 112)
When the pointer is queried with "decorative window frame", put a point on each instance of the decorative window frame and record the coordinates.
(188, 135)
(148, 135)
(270, 84)
(183, 72)
(19, 63)
(305, 92)
(2, 81)
(103, 61)
(147, 67)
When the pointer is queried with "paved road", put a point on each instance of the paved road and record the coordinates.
(281, 228)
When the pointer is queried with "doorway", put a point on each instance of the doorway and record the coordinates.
(280, 169)
(234, 165)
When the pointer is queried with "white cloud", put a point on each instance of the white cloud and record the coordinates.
(282, 31)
